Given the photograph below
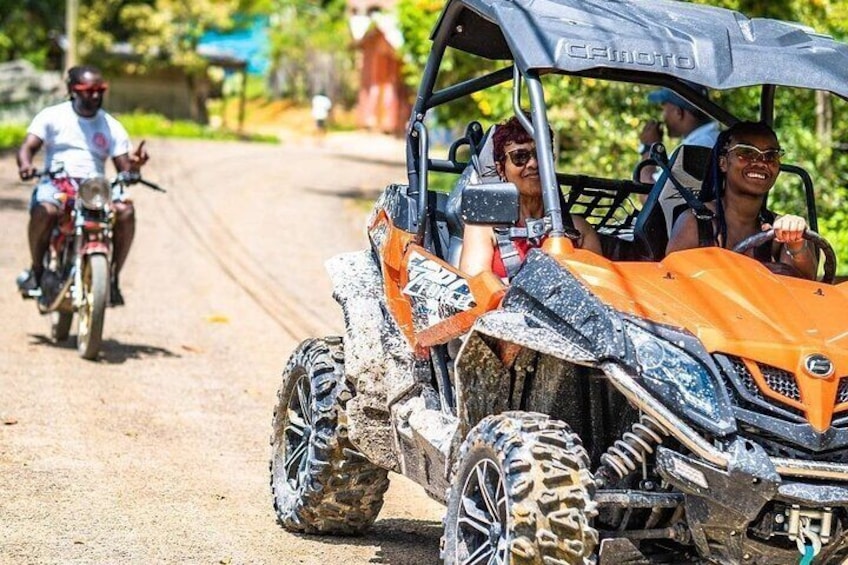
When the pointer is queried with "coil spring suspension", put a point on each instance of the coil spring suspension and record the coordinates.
(623, 456)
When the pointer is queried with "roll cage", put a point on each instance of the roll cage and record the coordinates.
(663, 43)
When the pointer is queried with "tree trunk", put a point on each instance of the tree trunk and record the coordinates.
(824, 118)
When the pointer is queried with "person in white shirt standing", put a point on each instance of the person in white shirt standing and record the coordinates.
(321, 105)
(682, 120)
(82, 136)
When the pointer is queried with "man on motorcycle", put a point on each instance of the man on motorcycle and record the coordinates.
(82, 136)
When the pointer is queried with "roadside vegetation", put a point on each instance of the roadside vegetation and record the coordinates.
(11, 136)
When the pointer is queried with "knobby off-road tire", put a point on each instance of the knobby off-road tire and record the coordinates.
(60, 325)
(95, 291)
(521, 494)
(319, 481)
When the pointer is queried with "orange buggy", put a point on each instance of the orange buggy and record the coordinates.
(629, 407)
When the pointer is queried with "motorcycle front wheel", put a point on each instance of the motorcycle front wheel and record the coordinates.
(95, 296)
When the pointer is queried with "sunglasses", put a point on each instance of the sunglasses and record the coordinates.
(521, 157)
(100, 87)
(750, 153)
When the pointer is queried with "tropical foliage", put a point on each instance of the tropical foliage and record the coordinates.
(310, 47)
(309, 39)
(30, 29)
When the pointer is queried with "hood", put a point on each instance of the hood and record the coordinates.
(736, 306)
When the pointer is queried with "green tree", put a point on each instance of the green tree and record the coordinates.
(161, 34)
(310, 48)
(159, 31)
(30, 30)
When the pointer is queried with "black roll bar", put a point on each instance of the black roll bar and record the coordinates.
(809, 193)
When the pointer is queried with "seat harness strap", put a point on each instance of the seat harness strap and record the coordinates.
(706, 233)
(509, 252)
(511, 257)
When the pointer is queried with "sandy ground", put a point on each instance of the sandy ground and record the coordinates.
(158, 452)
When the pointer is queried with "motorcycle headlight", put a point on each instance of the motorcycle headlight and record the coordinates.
(95, 193)
(681, 381)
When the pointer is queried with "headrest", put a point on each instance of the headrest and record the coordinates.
(689, 165)
(482, 168)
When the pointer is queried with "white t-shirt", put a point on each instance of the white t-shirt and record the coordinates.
(82, 144)
(321, 107)
(704, 135)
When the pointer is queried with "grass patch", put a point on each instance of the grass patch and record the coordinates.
(156, 125)
(11, 136)
(147, 125)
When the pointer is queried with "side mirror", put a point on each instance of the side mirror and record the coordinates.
(493, 203)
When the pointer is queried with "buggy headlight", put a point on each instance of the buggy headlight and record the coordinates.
(680, 380)
(95, 193)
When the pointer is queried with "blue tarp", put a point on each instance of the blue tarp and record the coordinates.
(249, 44)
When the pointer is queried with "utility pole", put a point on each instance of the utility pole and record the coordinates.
(71, 11)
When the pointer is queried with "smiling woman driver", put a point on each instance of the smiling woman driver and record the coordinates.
(744, 166)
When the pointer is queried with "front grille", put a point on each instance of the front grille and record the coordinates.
(780, 381)
(842, 391)
(746, 378)
(777, 440)
(744, 391)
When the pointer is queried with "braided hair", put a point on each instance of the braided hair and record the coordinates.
(715, 179)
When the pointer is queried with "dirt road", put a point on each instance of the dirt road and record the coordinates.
(158, 452)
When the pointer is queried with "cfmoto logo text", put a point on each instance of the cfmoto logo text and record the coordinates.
(818, 365)
(629, 56)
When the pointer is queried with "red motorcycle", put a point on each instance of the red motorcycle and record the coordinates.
(77, 265)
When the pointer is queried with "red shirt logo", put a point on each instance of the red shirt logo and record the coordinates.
(100, 141)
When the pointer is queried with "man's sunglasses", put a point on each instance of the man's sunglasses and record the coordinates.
(100, 87)
(521, 157)
(750, 153)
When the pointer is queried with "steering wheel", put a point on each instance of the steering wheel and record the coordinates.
(820, 243)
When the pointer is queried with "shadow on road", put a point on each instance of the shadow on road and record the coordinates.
(388, 162)
(400, 541)
(112, 351)
(39, 339)
(13, 204)
(351, 193)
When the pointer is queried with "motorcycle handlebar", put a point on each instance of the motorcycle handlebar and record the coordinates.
(124, 177)
(133, 177)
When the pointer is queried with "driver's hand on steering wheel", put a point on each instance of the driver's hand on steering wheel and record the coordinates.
(789, 229)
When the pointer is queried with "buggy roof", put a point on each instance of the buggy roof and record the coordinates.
(648, 40)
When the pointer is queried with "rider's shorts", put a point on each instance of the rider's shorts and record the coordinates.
(44, 193)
